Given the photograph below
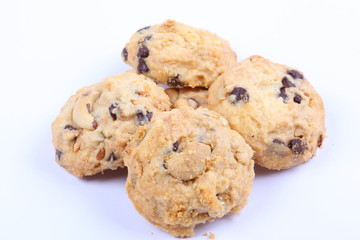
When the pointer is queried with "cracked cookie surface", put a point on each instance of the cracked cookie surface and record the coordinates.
(274, 108)
(96, 123)
(188, 167)
(178, 55)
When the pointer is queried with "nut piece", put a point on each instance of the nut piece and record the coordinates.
(81, 112)
(190, 163)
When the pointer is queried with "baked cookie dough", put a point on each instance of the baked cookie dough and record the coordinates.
(187, 167)
(178, 55)
(96, 123)
(190, 97)
(274, 108)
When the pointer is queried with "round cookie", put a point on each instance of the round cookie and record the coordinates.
(191, 97)
(178, 55)
(274, 108)
(188, 167)
(96, 123)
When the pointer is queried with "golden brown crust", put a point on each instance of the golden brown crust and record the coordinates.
(178, 55)
(279, 113)
(214, 177)
(96, 123)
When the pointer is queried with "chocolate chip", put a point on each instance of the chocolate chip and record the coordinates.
(58, 154)
(144, 28)
(88, 106)
(239, 94)
(143, 51)
(282, 94)
(175, 81)
(141, 119)
(95, 124)
(320, 141)
(286, 83)
(113, 109)
(142, 67)
(149, 115)
(297, 146)
(295, 74)
(278, 141)
(124, 54)
(69, 127)
(176, 146)
(297, 98)
(112, 157)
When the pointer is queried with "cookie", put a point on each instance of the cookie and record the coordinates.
(178, 55)
(96, 123)
(188, 167)
(190, 97)
(274, 108)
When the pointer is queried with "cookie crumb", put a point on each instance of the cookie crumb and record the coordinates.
(210, 235)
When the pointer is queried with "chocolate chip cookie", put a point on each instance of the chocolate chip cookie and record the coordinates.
(187, 167)
(178, 55)
(96, 123)
(190, 97)
(274, 108)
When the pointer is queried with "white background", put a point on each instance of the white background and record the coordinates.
(49, 49)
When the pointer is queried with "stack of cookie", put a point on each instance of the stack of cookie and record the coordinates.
(189, 149)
